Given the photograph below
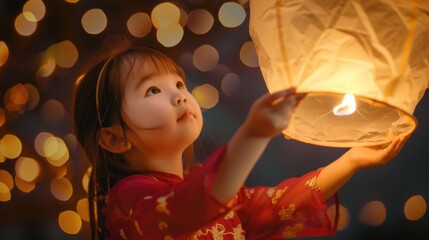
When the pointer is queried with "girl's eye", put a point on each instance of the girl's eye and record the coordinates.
(152, 91)
(180, 85)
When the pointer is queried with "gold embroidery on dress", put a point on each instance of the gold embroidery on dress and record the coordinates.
(218, 232)
(147, 197)
(286, 213)
(291, 231)
(312, 183)
(249, 192)
(278, 195)
(137, 226)
(162, 225)
(162, 203)
(270, 191)
(122, 233)
(131, 211)
(238, 233)
(230, 215)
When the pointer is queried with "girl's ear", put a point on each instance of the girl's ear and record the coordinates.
(112, 139)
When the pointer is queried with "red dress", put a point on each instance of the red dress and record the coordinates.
(162, 206)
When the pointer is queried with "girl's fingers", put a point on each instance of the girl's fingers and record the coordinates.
(279, 96)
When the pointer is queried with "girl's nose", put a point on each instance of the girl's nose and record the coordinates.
(179, 99)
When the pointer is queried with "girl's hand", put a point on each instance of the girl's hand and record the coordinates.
(270, 114)
(364, 157)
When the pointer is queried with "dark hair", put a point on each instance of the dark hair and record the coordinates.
(91, 114)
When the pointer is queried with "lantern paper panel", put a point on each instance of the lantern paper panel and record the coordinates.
(373, 54)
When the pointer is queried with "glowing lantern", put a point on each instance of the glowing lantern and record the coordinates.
(372, 52)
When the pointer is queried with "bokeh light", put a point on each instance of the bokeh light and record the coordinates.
(139, 24)
(85, 179)
(70, 222)
(373, 213)
(6, 179)
(61, 188)
(248, 54)
(24, 186)
(34, 10)
(415, 208)
(53, 112)
(94, 21)
(2, 158)
(205, 58)
(4, 193)
(200, 21)
(33, 96)
(39, 143)
(10, 146)
(170, 35)
(61, 171)
(206, 95)
(231, 14)
(27, 169)
(183, 20)
(4, 53)
(64, 53)
(52, 148)
(165, 14)
(16, 98)
(2, 117)
(82, 209)
(23, 26)
(343, 216)
(230, 84)
(58, 152)
(47, 65)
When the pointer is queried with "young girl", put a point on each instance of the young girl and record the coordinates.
(136, 120)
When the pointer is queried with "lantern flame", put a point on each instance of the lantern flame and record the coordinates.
(347, 107)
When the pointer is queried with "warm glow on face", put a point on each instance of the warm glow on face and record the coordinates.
(347, 107)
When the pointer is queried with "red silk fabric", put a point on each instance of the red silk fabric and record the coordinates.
(163, 206)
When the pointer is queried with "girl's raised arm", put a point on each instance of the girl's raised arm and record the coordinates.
(268, 116)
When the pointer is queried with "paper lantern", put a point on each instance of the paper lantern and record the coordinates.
(373, 53)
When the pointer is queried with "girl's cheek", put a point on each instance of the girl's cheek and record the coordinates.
(149, 116)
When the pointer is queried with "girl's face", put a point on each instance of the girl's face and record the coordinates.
(159, 109)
